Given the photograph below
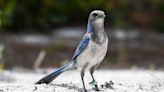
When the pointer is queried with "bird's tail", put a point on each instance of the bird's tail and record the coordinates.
(47, 79)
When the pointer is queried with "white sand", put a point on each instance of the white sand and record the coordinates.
(124, 81)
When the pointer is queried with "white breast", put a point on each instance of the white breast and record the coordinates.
(93, 54)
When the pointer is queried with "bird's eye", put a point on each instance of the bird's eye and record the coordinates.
(95, 14)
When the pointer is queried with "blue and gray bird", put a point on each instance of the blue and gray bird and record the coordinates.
(89, 53)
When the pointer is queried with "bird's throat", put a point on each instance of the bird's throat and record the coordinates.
(96, 26)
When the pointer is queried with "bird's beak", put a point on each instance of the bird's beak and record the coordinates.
(102, 16)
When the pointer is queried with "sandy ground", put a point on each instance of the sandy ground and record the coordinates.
(108, 81)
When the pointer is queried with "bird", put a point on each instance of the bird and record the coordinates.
(89, 53)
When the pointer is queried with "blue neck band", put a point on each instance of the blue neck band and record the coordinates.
(89, 27)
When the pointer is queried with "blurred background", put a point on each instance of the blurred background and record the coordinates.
(45, 33)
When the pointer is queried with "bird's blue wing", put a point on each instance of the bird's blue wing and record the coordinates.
(81, 47)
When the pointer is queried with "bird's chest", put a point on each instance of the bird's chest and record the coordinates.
(93, 54)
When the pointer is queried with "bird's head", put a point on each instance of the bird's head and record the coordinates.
(97, 14)
(96, 19)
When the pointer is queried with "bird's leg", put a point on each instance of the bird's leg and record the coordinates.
(82, 76)
(93, 82)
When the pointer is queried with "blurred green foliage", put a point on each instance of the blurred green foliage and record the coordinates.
(42, 15)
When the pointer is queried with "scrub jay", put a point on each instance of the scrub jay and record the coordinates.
(89, 53)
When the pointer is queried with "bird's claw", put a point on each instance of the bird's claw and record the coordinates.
(93, 82)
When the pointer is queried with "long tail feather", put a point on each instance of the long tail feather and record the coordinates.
(47, 79)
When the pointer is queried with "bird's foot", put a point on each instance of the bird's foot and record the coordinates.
(83, 90)
(96, 88)
(94, 82)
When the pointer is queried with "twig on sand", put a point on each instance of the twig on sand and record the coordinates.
(108, 85)
(155, 77)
